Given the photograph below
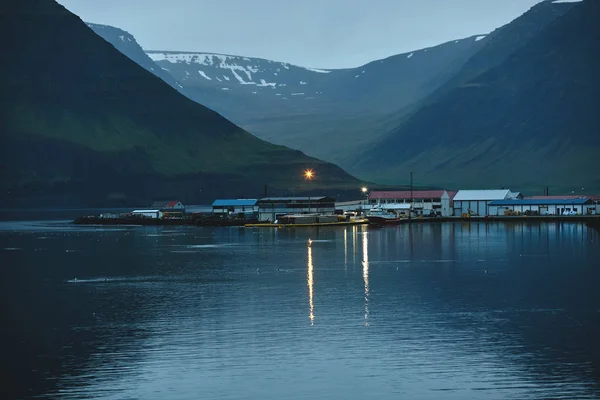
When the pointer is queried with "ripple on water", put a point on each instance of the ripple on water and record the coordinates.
(262, 316)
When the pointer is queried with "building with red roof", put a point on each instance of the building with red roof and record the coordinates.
(424, 202)
(168, 205)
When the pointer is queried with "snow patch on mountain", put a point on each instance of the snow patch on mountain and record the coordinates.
(202, 74)
(240, 79)
(320, 71)
(227, 62)
(478, 38)
(265, 83)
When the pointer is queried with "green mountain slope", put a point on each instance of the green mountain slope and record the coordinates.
(82, 122)
(532, 121)
(502, 42)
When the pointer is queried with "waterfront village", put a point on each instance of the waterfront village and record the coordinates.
(375, 207)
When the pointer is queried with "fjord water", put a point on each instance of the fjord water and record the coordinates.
(428, 311)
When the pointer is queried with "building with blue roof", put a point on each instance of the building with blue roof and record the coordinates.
(581, 205)
(235, 206)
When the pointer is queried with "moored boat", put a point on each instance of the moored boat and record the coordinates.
(379, 216)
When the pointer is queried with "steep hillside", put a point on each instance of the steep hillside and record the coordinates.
(531, 121)
(126, 44)
(81, 122)
(502, 42)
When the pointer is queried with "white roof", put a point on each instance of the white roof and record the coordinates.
(145, 211)
(399, 206)
(494, 194)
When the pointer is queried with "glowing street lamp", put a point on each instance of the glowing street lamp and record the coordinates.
(309, 174)
(365, 191)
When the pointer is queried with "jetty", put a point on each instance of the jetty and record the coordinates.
(308, 225)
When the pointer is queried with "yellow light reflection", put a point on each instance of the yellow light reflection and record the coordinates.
(365, 264)
(310, 282)
(354, 233)
(345, 249)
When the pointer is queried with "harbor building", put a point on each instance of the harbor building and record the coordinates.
(424, 202)
(572, 206)
(352, 205)
(475, 202)
(154, 214)
(272, 208)
(595, 198)
(235, 206)
(168, 206)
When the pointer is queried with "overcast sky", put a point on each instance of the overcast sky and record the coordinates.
(311, 33)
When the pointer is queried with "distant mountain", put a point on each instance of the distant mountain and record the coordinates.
(83, 124)
(342, 109)
(529, 119)
(270, 80)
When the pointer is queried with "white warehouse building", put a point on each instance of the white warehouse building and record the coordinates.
(583, 206)
(475, 202)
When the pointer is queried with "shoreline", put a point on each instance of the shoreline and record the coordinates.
(590, 220)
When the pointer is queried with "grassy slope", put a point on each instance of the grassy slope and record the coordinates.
(65, 87)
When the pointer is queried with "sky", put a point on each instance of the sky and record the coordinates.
(310, 33)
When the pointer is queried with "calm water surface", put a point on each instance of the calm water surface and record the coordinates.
(430, 311)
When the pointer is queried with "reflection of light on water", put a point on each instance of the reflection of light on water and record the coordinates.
(309, 282)
(365, 264)
(354, 233)
(345, 248)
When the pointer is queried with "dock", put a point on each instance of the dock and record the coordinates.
(311, 225)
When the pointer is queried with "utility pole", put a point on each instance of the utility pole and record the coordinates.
(411, 195)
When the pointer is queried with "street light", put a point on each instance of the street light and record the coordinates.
(365, 190)
(309, 174)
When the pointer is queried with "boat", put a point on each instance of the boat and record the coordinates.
(381, 216)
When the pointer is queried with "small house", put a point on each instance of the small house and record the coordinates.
(168, 206)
